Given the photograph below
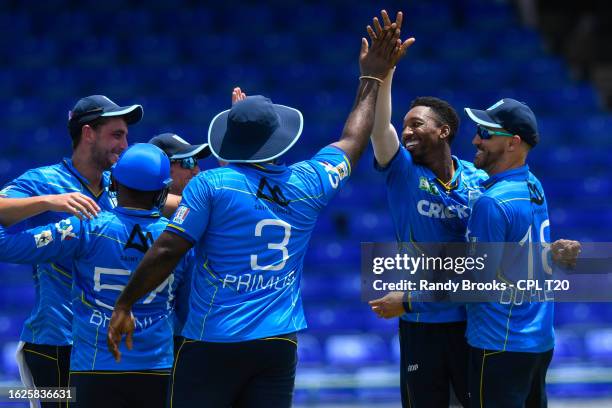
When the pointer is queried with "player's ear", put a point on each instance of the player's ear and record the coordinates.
(87, 134)
(513, 143)
(444, 131)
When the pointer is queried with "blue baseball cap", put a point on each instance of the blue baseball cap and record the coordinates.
(254, 130)
(95, 106)
(143, 167)
(514, 116)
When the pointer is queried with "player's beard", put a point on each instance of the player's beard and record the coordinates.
(103, 158)
(486, 159)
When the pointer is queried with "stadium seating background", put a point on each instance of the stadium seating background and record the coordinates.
(180, 60)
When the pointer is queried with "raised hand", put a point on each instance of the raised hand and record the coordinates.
(73, 203)
(378, 31)
(237, 95)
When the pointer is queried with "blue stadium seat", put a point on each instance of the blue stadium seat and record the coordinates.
(374, 324)
(544, 73)
(35, 52)
(93, 51)
(458, 46)
(356, 350)
(582, 314)
(310, 351)
(598, 345)
(486, 15)
(152, 51)
(515, 45)
(569, 347)
(334, 318)
(8, 362)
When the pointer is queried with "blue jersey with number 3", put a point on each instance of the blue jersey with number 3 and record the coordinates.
(251, 224)
(104, 252)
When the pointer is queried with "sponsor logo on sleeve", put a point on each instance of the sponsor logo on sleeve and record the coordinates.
(42, 239)
(65, 228)
(181, 215)
(336, 173)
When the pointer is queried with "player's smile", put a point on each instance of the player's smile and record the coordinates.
(411, 143)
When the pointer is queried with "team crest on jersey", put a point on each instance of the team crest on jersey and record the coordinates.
(336, 173)
(181, 215)
(473, 195)
(425, 185)
(271, 192)
(65, 228)
(42, 239)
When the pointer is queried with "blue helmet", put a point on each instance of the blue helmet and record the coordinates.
(143, 167)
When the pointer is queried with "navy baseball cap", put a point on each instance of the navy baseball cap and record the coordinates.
(254, 130)
(178, 148)
(514, 116)
(96, 106)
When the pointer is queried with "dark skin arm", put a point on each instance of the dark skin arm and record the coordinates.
(375, 61)
(157, 264)
(564, 253)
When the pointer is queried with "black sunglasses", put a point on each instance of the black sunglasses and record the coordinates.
(186, 163)
(485, 133)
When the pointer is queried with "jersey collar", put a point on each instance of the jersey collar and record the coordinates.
(454, 183)
(518, 174)
(266, 167)
(67, 162)
(138, 212)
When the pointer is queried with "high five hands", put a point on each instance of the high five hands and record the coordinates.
(385, 42)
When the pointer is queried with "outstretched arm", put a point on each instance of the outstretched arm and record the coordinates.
(375, 62)
(384, 136)
(41, 244)
(14, 210)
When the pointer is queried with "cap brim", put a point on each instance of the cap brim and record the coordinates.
(482, 118)
(198, 151)
(132, 114)
(233, 151)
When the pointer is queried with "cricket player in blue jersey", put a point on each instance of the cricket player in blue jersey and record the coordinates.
(250, 223)
(428, 190)
(511, 344)
(183, 167)
(103, 252)
(78, 186)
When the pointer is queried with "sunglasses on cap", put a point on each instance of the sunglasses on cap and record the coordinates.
(186, 163)
(485, 133)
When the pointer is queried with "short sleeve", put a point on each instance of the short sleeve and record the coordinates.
(488, 221)
(487, 228)
(44, 243)
(22, 187)
(191, 217)
(332, 171)
(398, 168)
